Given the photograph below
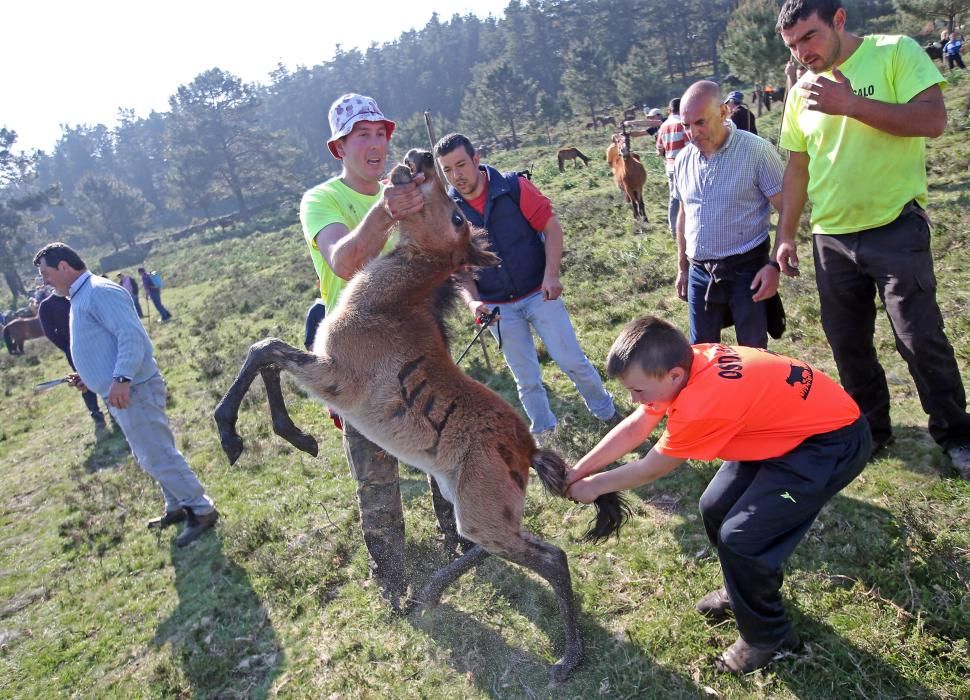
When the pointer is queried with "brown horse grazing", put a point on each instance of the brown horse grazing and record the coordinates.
(381, 362)
(628, 173)
(570, 153)
(19, 331)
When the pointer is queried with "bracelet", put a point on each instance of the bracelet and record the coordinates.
(774, 264)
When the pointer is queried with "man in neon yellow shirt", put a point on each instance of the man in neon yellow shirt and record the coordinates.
(854, 127)
(347, 222)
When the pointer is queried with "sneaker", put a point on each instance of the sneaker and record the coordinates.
(715, 605)
(960, 458)
(197, 525)
(168, 518)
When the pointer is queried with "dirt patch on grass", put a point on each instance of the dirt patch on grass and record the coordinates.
(22, 600)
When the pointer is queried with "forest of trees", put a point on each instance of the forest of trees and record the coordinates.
(229, 146)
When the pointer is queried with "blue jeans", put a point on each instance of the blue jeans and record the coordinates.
(551, 321)
(730, 298)
(673, 206)
(145, 426)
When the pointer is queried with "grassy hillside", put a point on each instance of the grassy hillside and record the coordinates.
(278, 603)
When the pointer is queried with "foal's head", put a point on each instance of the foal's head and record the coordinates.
(439, 229)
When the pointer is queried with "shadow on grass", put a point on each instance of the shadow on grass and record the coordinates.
(220, 633)
(110, 450)
(478, 649)
(917, 452)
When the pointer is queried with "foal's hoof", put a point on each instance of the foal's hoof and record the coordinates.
(561, 670)
(232, 445)
(559, 673)
(306, 443)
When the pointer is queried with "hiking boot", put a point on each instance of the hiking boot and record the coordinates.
(716, 605)
(960, 458)
(170, 517)
(197, 525)
(741, 658)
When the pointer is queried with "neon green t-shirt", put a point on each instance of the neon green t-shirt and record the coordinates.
(332, 202)
(859, 177)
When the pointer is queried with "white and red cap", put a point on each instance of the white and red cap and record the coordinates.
(349, 109)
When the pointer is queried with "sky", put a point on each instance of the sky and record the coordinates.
(79, 62)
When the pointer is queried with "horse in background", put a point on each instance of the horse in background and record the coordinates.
(628, 172)
(570, 153)
(20, 330)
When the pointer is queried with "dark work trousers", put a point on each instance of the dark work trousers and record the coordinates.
(895, 261)
(91, 401)
(721, 289)
(314, 317)
(756, 513)
(381, 514)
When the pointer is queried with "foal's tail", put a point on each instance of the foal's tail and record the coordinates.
(612, 511)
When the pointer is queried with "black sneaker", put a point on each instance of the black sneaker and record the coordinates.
(170, 517)
(197, 525)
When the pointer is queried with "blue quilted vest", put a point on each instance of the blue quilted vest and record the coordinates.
(520, 248)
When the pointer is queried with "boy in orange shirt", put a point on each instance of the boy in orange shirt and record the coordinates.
(791, 439)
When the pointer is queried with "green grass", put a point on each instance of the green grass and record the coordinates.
(278, 602)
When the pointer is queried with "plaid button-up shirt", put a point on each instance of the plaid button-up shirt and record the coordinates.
(725, 197)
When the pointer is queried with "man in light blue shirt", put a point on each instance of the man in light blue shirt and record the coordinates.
(727, 181)
(113, 356)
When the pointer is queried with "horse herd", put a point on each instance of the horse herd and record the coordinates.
(628, 172)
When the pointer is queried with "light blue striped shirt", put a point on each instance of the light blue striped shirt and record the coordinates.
(107, 338)
(725, 197)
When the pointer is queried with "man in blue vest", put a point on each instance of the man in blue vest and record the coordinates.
(526, 235)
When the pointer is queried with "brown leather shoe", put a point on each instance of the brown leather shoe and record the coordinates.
(716, 605)
(197, 525)
(741, 658)
(170, 517)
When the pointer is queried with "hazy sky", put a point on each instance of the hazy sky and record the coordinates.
(78, 62)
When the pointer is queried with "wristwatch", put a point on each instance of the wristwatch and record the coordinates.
(122, 379)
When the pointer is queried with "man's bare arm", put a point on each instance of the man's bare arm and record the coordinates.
(347, 251)
(794, 194)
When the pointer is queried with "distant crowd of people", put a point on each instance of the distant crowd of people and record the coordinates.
(789, 436)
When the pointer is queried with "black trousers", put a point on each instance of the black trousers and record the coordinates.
(894, 260)
(314, 317)
(756, 513)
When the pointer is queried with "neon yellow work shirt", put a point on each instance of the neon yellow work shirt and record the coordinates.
(860, 177)
(332, 202)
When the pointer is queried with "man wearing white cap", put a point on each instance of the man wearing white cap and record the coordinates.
(347, 222)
